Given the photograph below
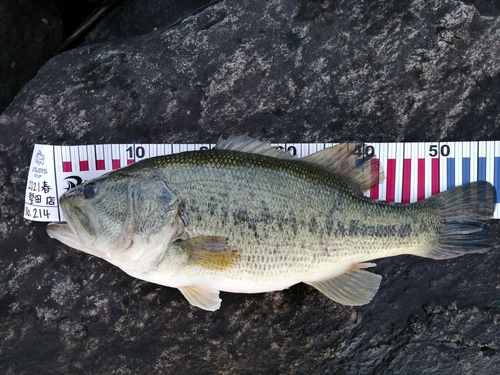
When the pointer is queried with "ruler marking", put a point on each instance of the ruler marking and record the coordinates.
(481, 163)
(482, 169)
(465, 163)
(375, 170)
(398, 186)
(421, 179)
(115, 156)
(497, 176)
(66, 159)
(313, 148)
(450, 173)
(383, 166)
(465, 170)
(424, 170)
(160, 150)
(328, 144)
(473, 162)
(414, 172)
(423, 154)
(490, 160)
(176, 148)
(56, 187)
(375, 167)
(303, 149)
(91, 154)
(496, 171)
(127, 154)
(83, 160)
(100, 161)
(443, 168)
(435, 175)
(457, 153)
(407, 174)
(75, 162)
(391, 173)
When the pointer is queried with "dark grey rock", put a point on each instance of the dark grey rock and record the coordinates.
(137, 17)
(337, 69)
(30, 32)
(285, 70)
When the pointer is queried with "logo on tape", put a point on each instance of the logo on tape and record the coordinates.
(73, 181)
(39, 158)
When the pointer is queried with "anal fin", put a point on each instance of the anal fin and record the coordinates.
(206, 299)
(354, 287)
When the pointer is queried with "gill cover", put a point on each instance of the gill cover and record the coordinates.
(154, 205)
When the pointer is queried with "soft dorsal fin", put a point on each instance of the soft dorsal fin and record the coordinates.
(245, 143)
(351, 161)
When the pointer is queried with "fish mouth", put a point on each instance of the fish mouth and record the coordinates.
(62, 231)
(83, 227)
(84, 221)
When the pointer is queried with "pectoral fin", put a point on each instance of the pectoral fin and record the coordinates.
(355, 287)
(211, 252)
(206, 299)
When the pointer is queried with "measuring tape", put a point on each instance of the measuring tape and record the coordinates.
(414, 171)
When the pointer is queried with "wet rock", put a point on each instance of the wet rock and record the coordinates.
(138, 17)
(412, 72)
(283, 70)
(30, 32)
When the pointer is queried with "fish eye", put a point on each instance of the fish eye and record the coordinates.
(89, 191)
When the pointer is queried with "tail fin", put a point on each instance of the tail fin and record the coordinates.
(464, 210)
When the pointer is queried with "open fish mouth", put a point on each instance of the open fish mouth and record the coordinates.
(78, 227)
(84, 222)
(61, 231)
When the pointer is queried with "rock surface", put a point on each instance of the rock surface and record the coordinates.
(289, 70)
(30, 32)
(137, 17)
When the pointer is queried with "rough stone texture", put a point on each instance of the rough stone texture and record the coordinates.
(286, 70)
(30, 32)
(138, 17)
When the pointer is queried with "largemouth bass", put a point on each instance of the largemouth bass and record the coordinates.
(247, 218)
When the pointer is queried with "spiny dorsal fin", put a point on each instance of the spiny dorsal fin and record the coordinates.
(350, 161)
(355, 287)
(245, 143)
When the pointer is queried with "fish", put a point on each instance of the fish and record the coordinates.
(245, 217)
